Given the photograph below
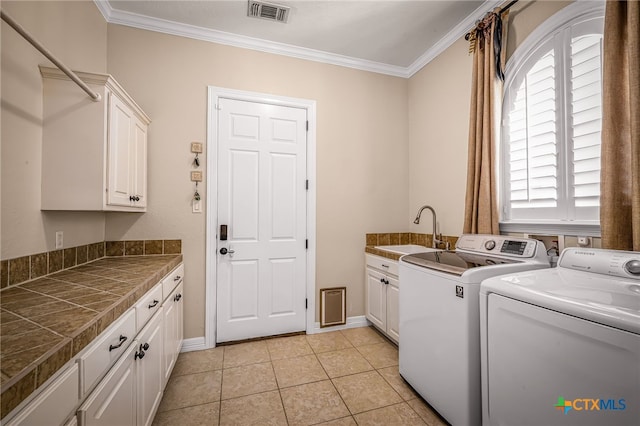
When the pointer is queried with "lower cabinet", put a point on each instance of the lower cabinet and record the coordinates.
(173, 331)
(149, 375)
(113, 402)
(119, 378)
(382, 295)
(130, 393)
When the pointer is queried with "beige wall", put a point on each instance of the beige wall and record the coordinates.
(362, 178)
(77, 34)
(439, 97)
(385, 145)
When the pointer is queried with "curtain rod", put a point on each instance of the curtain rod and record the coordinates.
(20, 30)
(504, 9)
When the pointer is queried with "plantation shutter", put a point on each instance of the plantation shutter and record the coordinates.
(552, 127)
(532, 136)
(586, 113)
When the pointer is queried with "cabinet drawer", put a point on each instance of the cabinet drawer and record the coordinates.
(148, 305)
(383, 264)
(54, 404)
(172, 280)
(113, 401)
(106, 349)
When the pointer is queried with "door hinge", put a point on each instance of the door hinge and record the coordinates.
(306, 185)
(306, 303)
(307, 125)
(306, 244)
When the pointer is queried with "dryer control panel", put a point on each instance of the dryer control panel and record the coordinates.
(617, 263)
(500, 245)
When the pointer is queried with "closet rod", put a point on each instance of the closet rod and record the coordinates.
(9, 20)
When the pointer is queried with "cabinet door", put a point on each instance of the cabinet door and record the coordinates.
(113, 402)
(150, 375)
(393, 315)
(172, 330)
(119, 153)
(376, 308)
(139, 164)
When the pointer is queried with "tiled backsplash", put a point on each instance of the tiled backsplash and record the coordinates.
(26, 268)
(397, 238)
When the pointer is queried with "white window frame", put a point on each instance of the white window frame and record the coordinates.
(547, 34)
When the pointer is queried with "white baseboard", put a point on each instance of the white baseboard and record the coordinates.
(352, 322)
(193, 344)
(198, 343)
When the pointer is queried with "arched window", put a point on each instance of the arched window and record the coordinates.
(552, 110)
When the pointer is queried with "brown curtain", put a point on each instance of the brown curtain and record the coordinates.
(481, 203)
(620, 172)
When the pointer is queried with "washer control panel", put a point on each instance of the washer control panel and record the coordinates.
(625, 264)
(500, 245)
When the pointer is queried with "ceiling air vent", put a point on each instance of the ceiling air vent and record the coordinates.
(270, 11)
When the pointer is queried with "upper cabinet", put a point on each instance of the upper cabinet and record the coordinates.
(94, 154)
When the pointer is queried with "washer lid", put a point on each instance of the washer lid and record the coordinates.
(612, 301)
(454, 262)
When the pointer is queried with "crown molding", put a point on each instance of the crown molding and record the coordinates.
(452, 36)
(114, 16)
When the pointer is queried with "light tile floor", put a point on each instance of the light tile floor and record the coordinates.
(347, 377)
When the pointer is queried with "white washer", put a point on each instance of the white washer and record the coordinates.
(562, 346)
(439, 319)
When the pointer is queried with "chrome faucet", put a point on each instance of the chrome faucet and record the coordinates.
(437, 239)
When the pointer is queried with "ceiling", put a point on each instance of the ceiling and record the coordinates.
(392, 37)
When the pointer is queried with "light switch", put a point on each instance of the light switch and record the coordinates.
(196, 206)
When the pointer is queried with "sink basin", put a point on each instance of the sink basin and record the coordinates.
(406, 249)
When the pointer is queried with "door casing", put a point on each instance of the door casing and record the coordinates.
(215, 93)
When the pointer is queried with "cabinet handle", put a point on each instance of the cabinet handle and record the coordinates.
(122, 340)
(131, 198)
(139, 354)
(177, 278)
(382, 280)
(178, 297)
(384, 266)
(154, 304)
(137, 198)
(145, 346)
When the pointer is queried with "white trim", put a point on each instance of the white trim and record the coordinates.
(193, 344)
(130, 19)
(352, 322)
(452, 36)
(214, 93)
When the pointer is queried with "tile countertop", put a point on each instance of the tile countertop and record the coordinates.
(383, 253)
(46, 322)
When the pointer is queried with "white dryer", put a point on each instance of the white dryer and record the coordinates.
(562, 346)
(439, 346)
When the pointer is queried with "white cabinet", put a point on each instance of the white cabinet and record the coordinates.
(113, 402)
(382, 295)
(119, 378)
(149, 370)
(53, 405)
(94, 154)
(173, 331)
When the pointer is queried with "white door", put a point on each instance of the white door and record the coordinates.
(261, 280)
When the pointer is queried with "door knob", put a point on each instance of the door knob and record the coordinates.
(224, 251)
